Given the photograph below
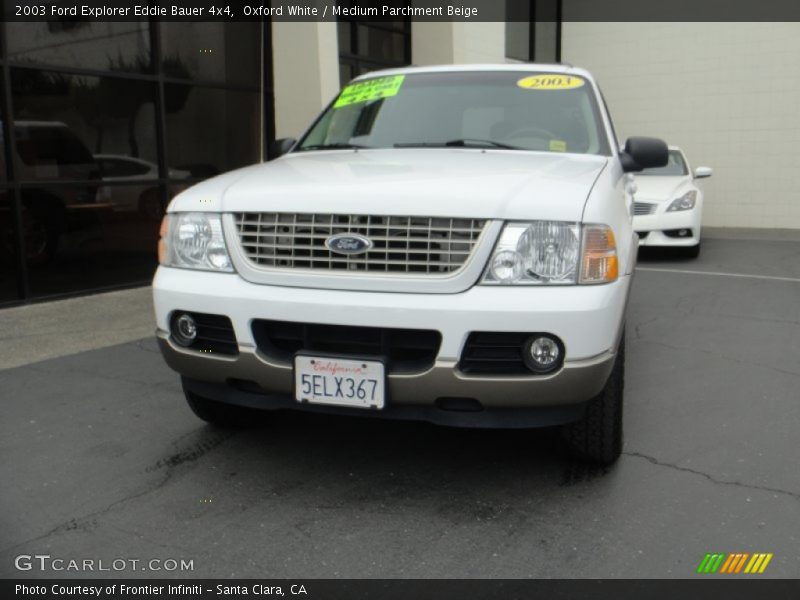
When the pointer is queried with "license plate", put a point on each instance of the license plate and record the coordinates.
(341, 382)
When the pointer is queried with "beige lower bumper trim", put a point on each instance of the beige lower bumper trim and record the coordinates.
(575, 382)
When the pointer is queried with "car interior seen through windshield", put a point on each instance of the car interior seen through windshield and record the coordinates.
(481, 109)
(675, 167)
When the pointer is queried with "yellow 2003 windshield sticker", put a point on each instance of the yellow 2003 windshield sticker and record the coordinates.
(551, 81)
(371, 89)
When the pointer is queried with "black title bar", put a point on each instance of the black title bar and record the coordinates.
(392, 10)
(711, 588)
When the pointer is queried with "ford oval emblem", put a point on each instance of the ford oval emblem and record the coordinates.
(348, 243)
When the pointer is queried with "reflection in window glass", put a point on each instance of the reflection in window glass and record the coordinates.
(227, 139)
(62, 120)
(519, 16)
(345, 73)
(366, 46)
(108, 242)
(213, 52)
(8, 254)
(88, 45)
(3, 168)
(85, 102)
(344, 37)
(124, 167)
(381, 45)
(518, 42)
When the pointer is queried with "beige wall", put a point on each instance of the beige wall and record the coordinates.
(457, 43)
(431, 43)
(306, 61)
(727, 93)
(305, 72)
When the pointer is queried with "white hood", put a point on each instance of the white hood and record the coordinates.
(448, 182)
(654, 188)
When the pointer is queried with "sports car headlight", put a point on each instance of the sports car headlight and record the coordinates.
(552, 253)
(193, 241)
(685, 202)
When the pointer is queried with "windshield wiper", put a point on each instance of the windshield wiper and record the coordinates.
(333, 147)
(460, 143)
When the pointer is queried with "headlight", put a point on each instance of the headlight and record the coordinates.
(541, 252)
(685, 202)
(553, 253)
(193, 241)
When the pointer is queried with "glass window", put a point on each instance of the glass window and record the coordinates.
(345, 73)
(367, 46)
(532, 30)
(345, 39)
(8, 248)
(519, 18)
(105, 46)
(213, 52)
(75, 244)
(546, 38)
(227, 138)
(86, 101)
(3, 168)
(62, 120)
(481, 108)
(124, 167)
(675, 167)
(381, 45)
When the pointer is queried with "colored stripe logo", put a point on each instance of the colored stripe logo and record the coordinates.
(734, 563)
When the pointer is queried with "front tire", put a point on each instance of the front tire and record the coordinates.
(597, 437)
(223, 415)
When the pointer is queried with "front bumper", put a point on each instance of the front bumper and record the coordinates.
(655, 226)
(588, 320)
(271, 385)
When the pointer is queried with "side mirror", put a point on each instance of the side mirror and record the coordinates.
(702, 172)
(280, 147)
(643, 153)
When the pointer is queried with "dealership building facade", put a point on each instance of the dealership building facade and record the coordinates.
(103, 122)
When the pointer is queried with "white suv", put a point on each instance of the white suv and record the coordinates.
(449, 244)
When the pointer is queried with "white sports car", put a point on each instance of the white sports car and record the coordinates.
(668, 204)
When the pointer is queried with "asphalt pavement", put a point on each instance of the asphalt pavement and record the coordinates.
(102, 460)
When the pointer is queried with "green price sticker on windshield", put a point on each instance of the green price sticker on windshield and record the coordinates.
(371, 89)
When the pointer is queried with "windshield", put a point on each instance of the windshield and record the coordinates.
(502, 109)
(675, 166)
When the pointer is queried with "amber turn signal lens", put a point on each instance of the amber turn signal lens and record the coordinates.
(162, 242)
(599, 263)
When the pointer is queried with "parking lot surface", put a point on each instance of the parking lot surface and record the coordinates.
(101, 459)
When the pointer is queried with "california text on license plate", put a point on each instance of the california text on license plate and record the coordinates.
(337, 381)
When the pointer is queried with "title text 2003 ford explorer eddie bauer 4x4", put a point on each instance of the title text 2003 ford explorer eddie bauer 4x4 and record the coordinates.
(450, 244)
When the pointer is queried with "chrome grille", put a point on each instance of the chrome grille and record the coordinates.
(644, 208)
(400, 244)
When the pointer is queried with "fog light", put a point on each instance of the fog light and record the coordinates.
(184, 330)
(678, 233)
(542, 354)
